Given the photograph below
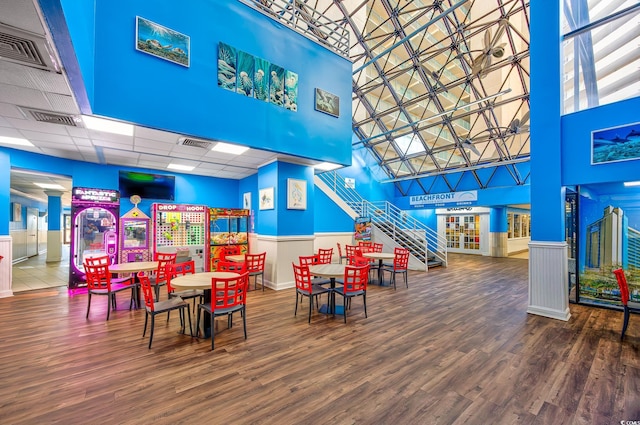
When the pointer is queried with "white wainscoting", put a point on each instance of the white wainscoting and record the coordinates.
(6, 268)
(281, 252)
(548, 280)
(19, 243)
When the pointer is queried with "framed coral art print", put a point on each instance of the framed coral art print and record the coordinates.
(296, 194)
(266, 199)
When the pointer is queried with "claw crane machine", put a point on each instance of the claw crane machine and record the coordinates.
(228, 227)
(182, 229)
(94, 230)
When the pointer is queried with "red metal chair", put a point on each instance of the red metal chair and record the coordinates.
(153, 308)
(378, 247)
(159, 278)
(624, 298)
(325, 256)
(230, 250)
(340, 256)
(231, 266)
(355, 285)
(99, 282)
(228, 295)
(365, 243)
(306, 288)
(400, 266)
(183, 269)
(255, 266)
(351, 251)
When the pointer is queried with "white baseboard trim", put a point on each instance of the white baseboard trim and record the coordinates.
(546, 312)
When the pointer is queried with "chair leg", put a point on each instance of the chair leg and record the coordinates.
(393, 277)
(626, 322)
(110, 298)
(198, 323)
(146, 317)
(213, 331)
(310, 306)
(295, 312)
(344, 309)
(244, 321)
(190, 327)
(261, 280)
(153, 322)
(364, 301)
(88, 305)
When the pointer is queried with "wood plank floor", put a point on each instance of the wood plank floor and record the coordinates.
(457, 347)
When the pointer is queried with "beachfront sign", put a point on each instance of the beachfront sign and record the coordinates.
(469, 197)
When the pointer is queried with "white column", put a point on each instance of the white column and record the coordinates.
(548, 280)
(5, 266)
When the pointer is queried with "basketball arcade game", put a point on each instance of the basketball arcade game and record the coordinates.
(94, 230)
(182, 229)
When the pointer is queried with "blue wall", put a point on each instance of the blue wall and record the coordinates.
(328, 217)
(141, 88)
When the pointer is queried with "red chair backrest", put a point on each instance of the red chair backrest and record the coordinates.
(365, 243)
(358, 261)
(255, 262)
(339, 249)
(303, 278)
(308, 260)
(622, 284)
(147, 290)
(97, 274)
(229, 292)
(356, 278)
(231, 266)
(325, 256)
(230, 250)
(179, 269)
(378, 247)
(164, 258)
(401, 259)
(350, 250)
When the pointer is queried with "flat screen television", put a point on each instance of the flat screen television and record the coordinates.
(147, 186)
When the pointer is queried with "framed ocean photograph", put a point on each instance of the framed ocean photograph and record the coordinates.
(246, 200)
(227, 64)
(162, 42)
(327, 102)
(296, 194)
(276, 85)
(261, 79)
(266, 199)
(615, 144)
(246, 65)
(291, 91)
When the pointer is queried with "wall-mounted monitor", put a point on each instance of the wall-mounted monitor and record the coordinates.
(147, 186)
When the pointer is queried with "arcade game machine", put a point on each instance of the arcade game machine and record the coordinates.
(94, 229)
(182, 229)
(228, 227)
(135, 234)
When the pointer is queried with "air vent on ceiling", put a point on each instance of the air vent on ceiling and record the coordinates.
(24, 47)
(50, 117)
(196, 143)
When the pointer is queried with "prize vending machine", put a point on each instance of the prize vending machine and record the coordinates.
(182, 229)
(135, 235)
(228, 228)
(94, 229)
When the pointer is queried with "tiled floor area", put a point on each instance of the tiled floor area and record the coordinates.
(36, 273)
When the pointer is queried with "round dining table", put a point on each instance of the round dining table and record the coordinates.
(236, 258)
(201, 281)
(333, 271)
(380, 256)
(133, 268)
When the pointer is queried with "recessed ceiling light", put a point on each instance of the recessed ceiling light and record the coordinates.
(15, 141)
(180, 167)
(100, 124)
(627, 184)
(229, 148)
(49, 186)
(327, 166)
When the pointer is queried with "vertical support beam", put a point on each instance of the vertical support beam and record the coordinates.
(548, 290)
(6, 247)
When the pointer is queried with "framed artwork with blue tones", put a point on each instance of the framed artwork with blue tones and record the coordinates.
(162, 42)
(291, 91)
(296, 194)
(327, 102)
(227, 64)
(276, 85)
(266, 199)
(615, 144)
(246, 64)
(261, 79)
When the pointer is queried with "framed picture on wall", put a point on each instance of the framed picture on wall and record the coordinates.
(296, 194)
(266, 199)
(162, 42)
(246, 201)
(327, 102)
(615, 144)
(16, 212)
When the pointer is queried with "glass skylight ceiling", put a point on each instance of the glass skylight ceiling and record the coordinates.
(439, 86)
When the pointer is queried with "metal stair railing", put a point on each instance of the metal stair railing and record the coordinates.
(422, 241)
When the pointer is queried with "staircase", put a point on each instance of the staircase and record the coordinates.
(388, 221)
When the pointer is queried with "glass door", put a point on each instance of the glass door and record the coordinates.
(463, 232)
